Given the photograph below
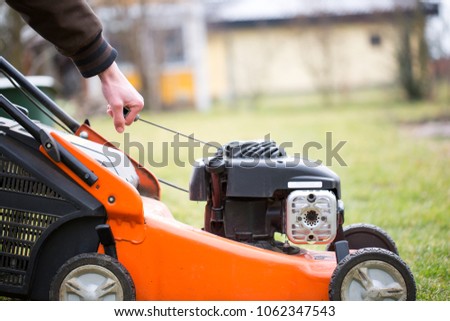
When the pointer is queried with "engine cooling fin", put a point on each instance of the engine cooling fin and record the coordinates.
(252, 149)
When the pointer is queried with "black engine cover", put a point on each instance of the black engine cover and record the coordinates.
(262, 177)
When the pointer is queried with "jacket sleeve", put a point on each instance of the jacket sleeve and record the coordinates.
(73, 28)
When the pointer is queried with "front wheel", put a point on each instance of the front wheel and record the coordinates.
(372, 274)
(92, 277)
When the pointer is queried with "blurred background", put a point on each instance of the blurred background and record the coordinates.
(373, 73)
(191, 54)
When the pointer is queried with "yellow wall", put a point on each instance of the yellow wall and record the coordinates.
(177, 87)
(285, 59)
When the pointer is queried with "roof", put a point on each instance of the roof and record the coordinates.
(247, 11)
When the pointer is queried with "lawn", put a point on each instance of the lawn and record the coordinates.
(393, 175)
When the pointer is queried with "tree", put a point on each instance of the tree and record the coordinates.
(413, 55)
(11, 46)
(132, 27)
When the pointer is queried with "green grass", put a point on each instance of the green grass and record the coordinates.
(392, 178)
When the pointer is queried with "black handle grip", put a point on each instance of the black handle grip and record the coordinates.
(126, 111)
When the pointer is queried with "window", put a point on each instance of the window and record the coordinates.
(173, 43)
(375, 40)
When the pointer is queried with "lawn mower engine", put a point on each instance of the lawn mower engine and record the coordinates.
(254, 190)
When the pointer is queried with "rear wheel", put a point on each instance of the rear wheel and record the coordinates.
(361, 236)
(372, 274)
(92, 277)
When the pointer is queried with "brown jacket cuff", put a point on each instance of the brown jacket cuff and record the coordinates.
(95, 58)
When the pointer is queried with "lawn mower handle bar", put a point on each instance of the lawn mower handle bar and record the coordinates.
(9, 70)
(54, 149)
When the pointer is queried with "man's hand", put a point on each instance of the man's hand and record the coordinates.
(119, 93)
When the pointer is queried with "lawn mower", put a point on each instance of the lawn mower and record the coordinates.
(77, 224)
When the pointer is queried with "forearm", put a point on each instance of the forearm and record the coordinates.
(73, 28)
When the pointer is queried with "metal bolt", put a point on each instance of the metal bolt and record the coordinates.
(111, 199)
(84, 134)
(311, 198)
(48, 145)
